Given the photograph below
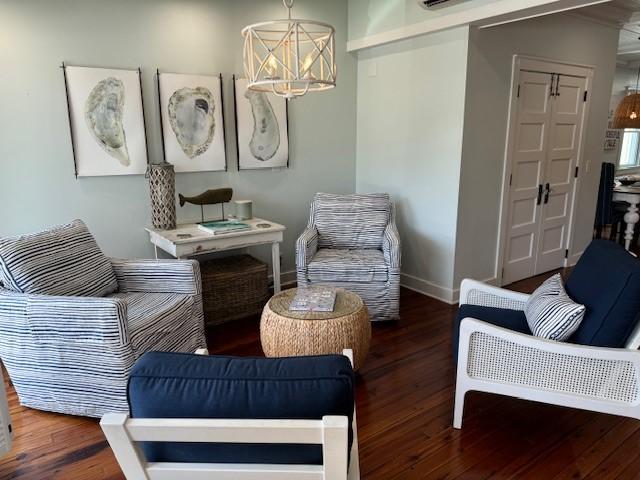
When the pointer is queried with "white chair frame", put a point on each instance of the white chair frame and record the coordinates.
(123, 434)
(497, 360)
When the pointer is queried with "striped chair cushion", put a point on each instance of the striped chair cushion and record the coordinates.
(153, 317)
(337, 265)
(64, 260)
(351, 221)
(551, 313)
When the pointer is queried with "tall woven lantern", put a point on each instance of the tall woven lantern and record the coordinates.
(628, 112)
(162, 187)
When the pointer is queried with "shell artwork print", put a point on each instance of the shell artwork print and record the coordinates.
(103, 112)
(265, 140)
(191, 115)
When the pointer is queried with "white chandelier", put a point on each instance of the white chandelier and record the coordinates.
(289, 57)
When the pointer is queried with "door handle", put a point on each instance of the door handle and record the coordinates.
(539, 194)
(546, 195)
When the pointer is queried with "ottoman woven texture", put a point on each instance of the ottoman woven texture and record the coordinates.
(285, 334)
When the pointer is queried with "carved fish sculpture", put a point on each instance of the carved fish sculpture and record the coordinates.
(210, 197)
(265, 140)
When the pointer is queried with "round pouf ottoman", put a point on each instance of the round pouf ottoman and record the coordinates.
(284, 333)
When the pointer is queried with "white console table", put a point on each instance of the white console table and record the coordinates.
(631, 195)
(189, 241)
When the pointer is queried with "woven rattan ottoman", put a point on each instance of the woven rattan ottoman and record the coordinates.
(284, 333)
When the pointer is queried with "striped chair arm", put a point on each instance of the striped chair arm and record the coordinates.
(391, 246)
(306, 247)
(158, 276)
(64, 320)
(473, 292)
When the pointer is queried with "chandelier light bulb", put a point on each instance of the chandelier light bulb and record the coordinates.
(306, 67)
(271, 68)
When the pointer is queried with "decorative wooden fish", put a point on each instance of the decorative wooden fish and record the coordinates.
(210, 197)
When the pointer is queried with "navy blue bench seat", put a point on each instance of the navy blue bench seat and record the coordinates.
(171, 385)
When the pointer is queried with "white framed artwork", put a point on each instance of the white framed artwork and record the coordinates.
(191, 112)
(106, 118)
(261, 128)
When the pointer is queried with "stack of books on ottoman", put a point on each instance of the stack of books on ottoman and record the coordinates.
(314, 299)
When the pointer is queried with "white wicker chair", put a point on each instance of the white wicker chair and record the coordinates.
(496, 360)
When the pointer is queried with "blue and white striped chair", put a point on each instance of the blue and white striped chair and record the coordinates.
(73, 322)
(352, 242)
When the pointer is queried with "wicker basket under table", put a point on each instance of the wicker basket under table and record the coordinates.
(233, 287)
(284, 333)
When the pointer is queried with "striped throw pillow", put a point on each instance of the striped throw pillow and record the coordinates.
(551, 313)
(64, 260)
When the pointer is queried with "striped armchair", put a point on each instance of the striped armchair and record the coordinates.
(73, 322)
(352, 242)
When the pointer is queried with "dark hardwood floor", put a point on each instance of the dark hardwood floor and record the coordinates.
(405, 403)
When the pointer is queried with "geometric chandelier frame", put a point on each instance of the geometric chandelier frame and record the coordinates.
(289, 57)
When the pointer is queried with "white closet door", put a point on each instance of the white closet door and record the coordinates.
(559, 172)
(528, 159)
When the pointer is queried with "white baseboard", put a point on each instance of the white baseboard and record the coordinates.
(287, 279)
(573, 259)
(489, 281)
(430, 289)
(447, 295)
(427, 288)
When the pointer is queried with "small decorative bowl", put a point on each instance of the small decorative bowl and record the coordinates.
(627, 181)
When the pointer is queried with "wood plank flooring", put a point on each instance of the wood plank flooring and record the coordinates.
(405, 403)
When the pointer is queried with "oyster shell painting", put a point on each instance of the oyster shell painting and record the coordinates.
(191, 115)
(262, 128)
(265, 140)
(103, 112)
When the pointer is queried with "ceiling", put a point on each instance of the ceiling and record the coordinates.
(625, 14)
(629, 44)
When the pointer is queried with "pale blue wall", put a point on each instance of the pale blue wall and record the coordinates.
(410, 119)
(371, 17)
(561, 37)
(431, 126)
(37, 186)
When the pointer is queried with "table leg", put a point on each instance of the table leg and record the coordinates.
(275, 259)
(631, 218)
(155, 250)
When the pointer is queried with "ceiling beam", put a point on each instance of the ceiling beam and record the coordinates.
(629, 51)
(505, 11)
(536, 12)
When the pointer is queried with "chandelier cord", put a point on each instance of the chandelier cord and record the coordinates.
(635, 98)
(288, 5)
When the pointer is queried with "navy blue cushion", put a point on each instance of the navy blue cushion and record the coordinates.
(502, 317)
(607, 281)
(178, 385)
